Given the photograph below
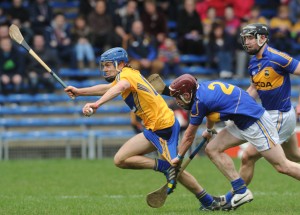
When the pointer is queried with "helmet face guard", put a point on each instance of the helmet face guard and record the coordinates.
(184, 84)
(115, 56)
(255, 30)
(109, 78)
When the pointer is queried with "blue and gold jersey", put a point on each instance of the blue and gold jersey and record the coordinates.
(142, 98)
(271, 76)
(219, 101)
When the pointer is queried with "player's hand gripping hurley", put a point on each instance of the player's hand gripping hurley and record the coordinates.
(17, 36)
(157, 198)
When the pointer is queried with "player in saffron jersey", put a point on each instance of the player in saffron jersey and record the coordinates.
(219, 101)
(161, 127)
(270, 71)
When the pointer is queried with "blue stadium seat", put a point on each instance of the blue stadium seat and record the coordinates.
(193, 58)
(66, 72)
(62, 5)
(197, 70)
(5, 5)
(172, 24)
(32, 110)
(245, 82)
(295, 93)
(36, 122)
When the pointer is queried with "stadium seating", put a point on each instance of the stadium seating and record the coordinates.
(87, 138)
(46, 110)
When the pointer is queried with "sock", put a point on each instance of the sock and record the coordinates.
(239, 186)
(161, 165)
(205, 199)
(228, 196)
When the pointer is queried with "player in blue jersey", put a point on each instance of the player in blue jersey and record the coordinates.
(161, 127)
(219, 101)
(270, 71)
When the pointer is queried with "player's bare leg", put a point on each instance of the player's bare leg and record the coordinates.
(131, 154)
(249, 158)
(291, 149)
(215, 150)
(206, 200)
(277, 158)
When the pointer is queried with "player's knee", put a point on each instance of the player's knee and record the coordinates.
(210, 151)
(246, 157)
(119, 162)
(283, 169)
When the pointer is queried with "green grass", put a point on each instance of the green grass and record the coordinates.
(98, 187)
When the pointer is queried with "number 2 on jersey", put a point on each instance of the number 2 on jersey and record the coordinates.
(227, 90)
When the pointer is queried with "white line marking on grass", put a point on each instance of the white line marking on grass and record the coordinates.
(103, 196)
(74, 197)
(122, 196)
(259, 193)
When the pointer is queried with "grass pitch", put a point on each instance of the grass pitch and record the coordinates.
(98, 187)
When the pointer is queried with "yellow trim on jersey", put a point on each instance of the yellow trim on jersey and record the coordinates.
(166, 153)
(267, 79)
(279, 121)
(197, 110)
(285, 56)
(213, 116)
(270, 140)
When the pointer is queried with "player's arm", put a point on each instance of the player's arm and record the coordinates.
(252, 91)
(97, 90)
(188, 139)
(112, 93)
(297, 70)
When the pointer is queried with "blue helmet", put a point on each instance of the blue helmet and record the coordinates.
(117, 54)
(114, 55)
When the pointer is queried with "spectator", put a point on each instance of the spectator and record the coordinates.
(86, 7)
(81, 36)
(19, 15)
(101, 25)
(59, 37)
(255, 16)
(155, 22)
(123, 19)
(169, 55)
(3, 17)
(232, 23)
(142, 51)
(242, 58)
(296, 32)
(169, 8)
(294, 8)
(190, 30)
(40, 15)
(11, 67)
(4, 30)
(220, 50)
(18, 11)
(280, 29)
(242, 8)
(37, 75)
(210, 18)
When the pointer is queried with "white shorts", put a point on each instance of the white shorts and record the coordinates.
(285, 123)
(262, 134)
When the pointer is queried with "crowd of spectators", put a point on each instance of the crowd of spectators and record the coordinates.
(155, 34)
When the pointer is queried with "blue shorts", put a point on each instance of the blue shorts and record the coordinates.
(167, 148)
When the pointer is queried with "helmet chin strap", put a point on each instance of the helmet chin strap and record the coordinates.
(110, 79)
(188, 104)
(260, 44)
